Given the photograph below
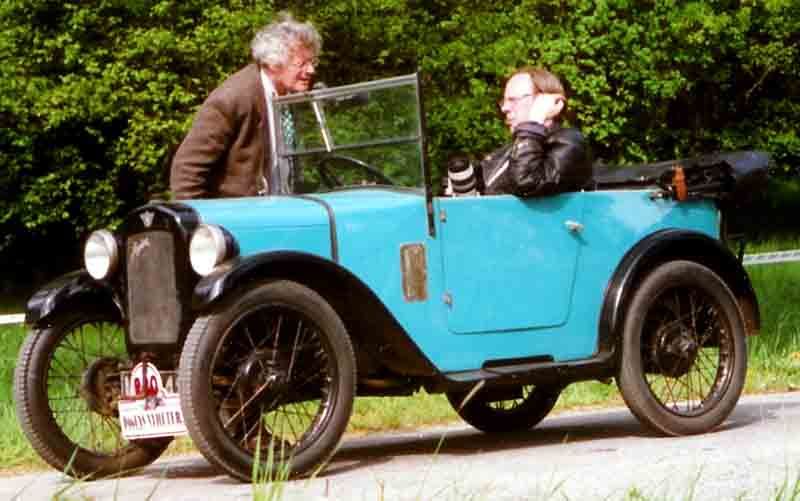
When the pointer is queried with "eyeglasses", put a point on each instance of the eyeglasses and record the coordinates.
(313, 62)
(511, 101)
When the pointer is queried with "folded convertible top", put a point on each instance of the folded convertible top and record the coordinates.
(736, 176)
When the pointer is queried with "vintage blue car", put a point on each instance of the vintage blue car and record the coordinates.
(252, 324)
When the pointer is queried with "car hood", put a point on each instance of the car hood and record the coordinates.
(305, 223)
(259, 212)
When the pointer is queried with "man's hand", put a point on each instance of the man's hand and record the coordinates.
(545, 107)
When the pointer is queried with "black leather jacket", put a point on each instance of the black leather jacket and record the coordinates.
(538, 162)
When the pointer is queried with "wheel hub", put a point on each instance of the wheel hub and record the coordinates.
(264, 368)
(100, 386)
(675, 350)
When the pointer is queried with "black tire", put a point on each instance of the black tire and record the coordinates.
(267, 382)
(66, 386)
(504, 415)
(684, 357)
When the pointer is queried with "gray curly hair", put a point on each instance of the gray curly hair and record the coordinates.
(272, 43)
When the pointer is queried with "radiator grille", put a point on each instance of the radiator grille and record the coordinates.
(153, 300)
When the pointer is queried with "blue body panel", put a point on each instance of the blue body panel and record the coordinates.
(506, 256)
(518, 282)
(614, 221)
(264, 224)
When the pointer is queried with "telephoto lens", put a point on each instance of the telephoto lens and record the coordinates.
(461, 177)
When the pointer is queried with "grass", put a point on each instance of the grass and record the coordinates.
(268, 479)
(775, 353)
(787, 490)
(774, 365)
(14, 450)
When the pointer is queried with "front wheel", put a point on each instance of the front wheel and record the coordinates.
(684, 356)
(66, 387)
(515, 409)
(267, 382)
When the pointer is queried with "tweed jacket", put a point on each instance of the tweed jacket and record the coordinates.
(226, 152)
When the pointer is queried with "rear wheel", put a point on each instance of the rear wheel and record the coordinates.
(267, 382)
(505, 410)
(684, 356)
(66, 387)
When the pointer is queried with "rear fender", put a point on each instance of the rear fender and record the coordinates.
(668, 245)
(76, 289)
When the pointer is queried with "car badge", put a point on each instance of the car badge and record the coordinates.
(147, 218)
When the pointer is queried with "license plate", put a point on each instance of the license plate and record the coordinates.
(149, 405)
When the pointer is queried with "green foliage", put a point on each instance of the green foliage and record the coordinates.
(651, 80)
(771, 217)
(96, 93)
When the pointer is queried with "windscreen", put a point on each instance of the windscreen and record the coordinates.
(366, 134)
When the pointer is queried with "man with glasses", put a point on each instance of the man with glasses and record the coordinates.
(227, 152)
(543, 158)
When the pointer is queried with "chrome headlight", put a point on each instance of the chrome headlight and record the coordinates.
(101, 255)
(208, 248)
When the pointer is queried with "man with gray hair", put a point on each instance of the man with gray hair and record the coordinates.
(227, 152)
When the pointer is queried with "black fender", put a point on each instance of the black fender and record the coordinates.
(239, 272)
(668, 245)
(76, 289)
(371, 325)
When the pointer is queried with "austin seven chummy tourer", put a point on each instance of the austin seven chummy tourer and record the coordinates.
(252, 324)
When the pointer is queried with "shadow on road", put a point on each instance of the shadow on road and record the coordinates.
(566, 428)
(599, 426)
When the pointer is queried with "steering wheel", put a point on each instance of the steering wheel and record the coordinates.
(329, 177)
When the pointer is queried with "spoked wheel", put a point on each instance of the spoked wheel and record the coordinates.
(267, 383)
(507, 410)
(66, 387)
(684, 356)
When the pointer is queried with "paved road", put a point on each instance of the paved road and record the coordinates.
(582, 455)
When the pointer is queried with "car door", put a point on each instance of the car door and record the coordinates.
(509, 263)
